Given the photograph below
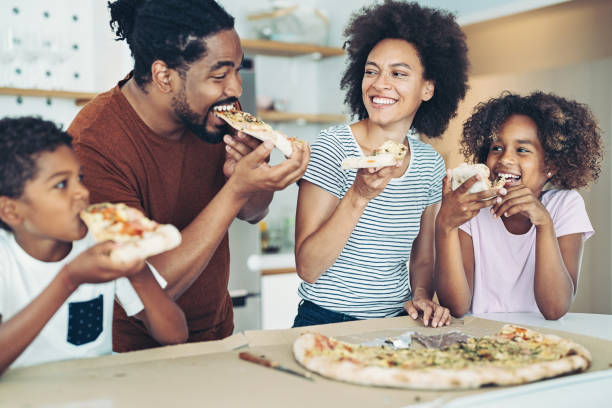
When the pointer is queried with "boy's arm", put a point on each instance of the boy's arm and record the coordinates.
(162, 317)
(19, 331)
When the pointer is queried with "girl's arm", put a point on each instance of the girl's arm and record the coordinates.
(422, 274)
(557, 259)
(454, 267)
(162, 317)
(556, 270)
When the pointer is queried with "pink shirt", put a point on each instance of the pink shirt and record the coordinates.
(504, 263)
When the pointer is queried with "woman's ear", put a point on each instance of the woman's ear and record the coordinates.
(428, 90)
(8, 212)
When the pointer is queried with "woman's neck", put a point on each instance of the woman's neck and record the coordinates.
(370, 135)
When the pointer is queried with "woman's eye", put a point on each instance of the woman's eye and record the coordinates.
(496, 149)
(370, 72)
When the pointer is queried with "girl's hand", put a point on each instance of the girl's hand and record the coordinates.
(520, 199)
(370, 182)
(459, 206)
(440, 316)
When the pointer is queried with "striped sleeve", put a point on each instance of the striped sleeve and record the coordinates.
(324, 167)
(438, 173)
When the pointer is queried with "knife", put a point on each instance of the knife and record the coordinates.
(272, 364)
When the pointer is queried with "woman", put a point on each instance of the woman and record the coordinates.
(356, 230)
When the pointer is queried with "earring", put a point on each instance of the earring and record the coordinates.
(549, 174)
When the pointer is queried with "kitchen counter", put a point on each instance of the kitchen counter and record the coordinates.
(211, 374)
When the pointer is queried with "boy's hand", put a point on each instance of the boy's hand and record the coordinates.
(459, 206)
(520, 199)
(96, 266)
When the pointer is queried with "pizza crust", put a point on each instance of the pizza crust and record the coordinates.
(576, 359)
(388, 154)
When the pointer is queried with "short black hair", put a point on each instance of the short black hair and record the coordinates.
(22, 140)
(441, 47)
(567, 131)
(172, 31)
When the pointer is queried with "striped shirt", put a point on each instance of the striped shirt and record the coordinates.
(370, 277)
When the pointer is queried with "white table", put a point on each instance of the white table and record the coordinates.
(583, 391)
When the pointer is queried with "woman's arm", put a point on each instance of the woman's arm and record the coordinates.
(162, 317)
(422, 283)
(324, 223)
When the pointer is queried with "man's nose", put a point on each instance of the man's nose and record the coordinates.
(234, 86)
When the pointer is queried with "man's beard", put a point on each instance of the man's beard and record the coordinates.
(196, 123)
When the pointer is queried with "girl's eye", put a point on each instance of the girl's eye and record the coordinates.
(62, 184)
(80, 178)
(522, 150)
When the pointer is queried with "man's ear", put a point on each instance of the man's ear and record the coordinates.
(428, 90)
(8, 212)
(161, 76)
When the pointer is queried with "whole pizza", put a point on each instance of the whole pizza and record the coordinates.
(514, 355)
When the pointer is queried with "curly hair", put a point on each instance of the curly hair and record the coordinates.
(441, 47)
(567, 130)
(22, 140)
(168, 30)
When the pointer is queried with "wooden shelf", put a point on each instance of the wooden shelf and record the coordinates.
(274, 116)
(285, 49)
(80, 98)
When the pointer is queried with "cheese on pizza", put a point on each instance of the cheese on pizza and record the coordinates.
(515, 355)
(136, 235)
(464, 171)
(252, 125)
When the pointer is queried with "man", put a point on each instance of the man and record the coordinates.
(154, 143)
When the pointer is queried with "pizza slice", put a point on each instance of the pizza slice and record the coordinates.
(252, 125)
(137, 236)
(464, 171)
(388, 154)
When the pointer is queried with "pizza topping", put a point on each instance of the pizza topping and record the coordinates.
(441, 340)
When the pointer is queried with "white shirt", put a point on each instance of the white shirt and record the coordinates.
(82, 326)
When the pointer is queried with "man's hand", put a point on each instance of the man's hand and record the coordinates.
(237, 146)
(251, 173)
(96, 266)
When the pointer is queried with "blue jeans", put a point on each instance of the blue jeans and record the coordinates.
(310, 314)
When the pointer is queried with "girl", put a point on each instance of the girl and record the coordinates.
(356, 230)
(522, 254)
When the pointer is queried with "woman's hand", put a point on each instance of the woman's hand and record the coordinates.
(370, 182)
(520, 199)
(459, 206)
(440, 316)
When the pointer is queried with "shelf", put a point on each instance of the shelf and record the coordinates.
(285, 49)
(274, 116)
(80, 98)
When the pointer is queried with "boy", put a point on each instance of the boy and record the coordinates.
(57, 287)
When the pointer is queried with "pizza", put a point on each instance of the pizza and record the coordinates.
(514, 355)
(137, 236)
(388, 154)
(252, 125)
(464, 171)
